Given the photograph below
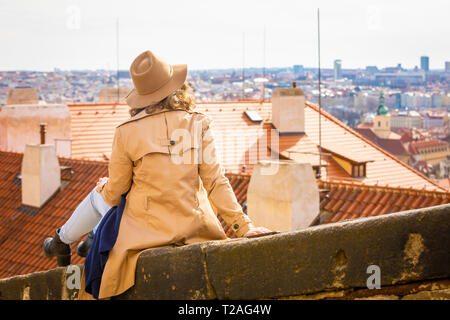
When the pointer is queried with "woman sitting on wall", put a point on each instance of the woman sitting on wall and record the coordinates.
(164, 159)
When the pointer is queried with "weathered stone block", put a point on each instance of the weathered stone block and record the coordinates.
(322, 262)
(171, 273)
(406, 246)
(47, 285)
(429, 295)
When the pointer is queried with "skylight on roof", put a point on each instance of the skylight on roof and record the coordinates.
(253, 115)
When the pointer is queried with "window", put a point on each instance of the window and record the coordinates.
(359, 170)
(253, 115)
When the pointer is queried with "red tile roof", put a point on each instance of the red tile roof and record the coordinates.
(230, 125)
(416, 146)
(238, 138)
(393, 146)
(22, 234)
(445, 183)
(239, 183)
(351, 201)
(93, 128)
(345, 200)
(385, 169)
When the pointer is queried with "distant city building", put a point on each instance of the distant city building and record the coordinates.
(406, 119)
(337, 69)
(371, 69)
(382, 120)
(400, 79)
(436, 100)
(379, 132)
(447, 66)
(112, 95)
(435, 119)
(298, 68)
(22, 95)
(398, 101)
(432, 151)
(395, 69)
(425, 63)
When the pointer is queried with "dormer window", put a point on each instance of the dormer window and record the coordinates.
(355, 165)
(359, 170)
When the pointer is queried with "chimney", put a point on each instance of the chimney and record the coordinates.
(286, 198)
(41, 174)
(288, 110)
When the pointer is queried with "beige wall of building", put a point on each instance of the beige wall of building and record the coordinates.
(20, 125)
(406, 122)
(433, 155)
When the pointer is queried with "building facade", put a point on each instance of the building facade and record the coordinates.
(425, 63)
(337, 69)
(406, 119)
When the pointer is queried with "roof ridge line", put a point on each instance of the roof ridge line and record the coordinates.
(380, 187)
(85, 161)
(96, 104)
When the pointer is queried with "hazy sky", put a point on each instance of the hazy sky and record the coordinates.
(71, 34)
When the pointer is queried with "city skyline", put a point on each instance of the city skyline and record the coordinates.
(306, 68)
(80, 35)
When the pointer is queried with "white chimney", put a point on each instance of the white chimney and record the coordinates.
(41, 173)
(288, 110)
(283, 199)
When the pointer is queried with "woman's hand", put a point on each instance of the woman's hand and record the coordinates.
(256, 230)
(102, 181)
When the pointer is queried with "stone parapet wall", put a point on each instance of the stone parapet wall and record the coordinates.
(333, 261)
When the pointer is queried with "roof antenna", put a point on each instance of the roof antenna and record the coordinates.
(117, 55)
(319, 173)
(243, 65)
(264, 65)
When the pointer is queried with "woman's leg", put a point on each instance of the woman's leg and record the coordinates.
(85, 217)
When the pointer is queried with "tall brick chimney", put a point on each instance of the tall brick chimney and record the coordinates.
(41, 173)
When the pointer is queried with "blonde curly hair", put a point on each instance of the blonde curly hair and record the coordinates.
(182, 98)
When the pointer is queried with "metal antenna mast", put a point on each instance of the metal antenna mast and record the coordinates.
(264, 64)
(319, 174)
(243, 65)
(117, 55)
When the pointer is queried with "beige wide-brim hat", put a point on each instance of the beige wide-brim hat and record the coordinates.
(153, 80)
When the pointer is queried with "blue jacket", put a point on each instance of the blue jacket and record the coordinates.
(104, 239)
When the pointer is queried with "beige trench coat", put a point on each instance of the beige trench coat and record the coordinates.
(168, 157)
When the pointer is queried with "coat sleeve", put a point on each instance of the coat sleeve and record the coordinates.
(120, 172)
(218, 186)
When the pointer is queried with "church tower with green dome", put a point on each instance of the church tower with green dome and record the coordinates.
(382, 120)
(382, 109)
